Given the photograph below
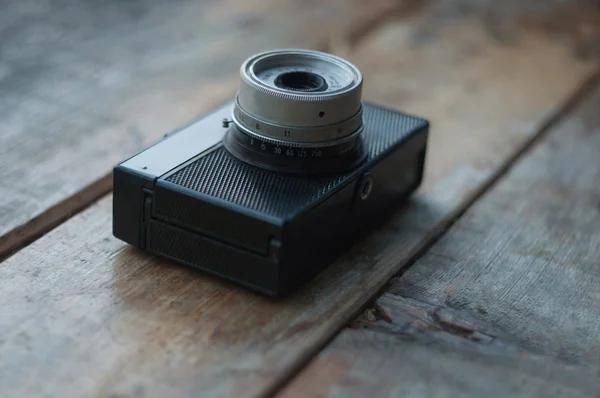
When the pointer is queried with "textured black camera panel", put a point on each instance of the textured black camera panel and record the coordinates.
(219, 259)
(220, 175)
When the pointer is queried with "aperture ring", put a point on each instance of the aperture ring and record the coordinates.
(296, 134)
(296, 144)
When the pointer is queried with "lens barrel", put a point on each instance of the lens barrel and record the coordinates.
(291, 104)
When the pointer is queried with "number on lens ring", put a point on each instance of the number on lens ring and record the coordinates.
(277, 150)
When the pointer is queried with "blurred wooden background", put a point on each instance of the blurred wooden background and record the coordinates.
(487, 283)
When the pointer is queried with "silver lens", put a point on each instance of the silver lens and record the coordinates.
(299, 97)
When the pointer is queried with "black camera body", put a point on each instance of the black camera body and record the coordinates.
(188, 199)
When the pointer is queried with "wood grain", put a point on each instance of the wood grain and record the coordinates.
(84, 85)
(85, 315)
(528, 254)
(424, 350)
(518, 273)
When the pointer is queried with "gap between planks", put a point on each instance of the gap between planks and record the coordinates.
(51, 218)
(585, 90)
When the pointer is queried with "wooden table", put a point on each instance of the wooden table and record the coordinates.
(486, 284)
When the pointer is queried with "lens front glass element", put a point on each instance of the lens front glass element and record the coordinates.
(301, 81)
(331, 74)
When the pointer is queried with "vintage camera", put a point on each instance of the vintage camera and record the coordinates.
(273, 186)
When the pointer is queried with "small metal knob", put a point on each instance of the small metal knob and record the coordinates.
(366, 186)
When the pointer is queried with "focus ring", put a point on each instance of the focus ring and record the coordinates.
(296, 133)
(276, 141)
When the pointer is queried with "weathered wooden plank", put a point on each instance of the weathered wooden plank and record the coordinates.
(90, 316)
(527, 256)
(84, 85)
(521, 266)
(416, 349)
